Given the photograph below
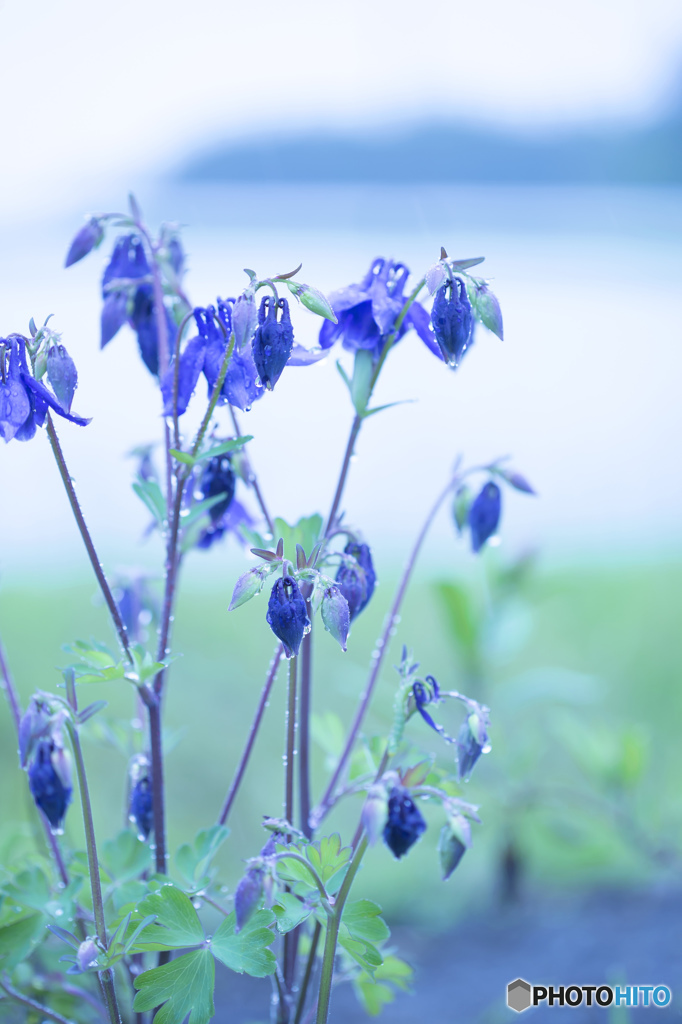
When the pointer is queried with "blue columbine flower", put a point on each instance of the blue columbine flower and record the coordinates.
(49, 780)
(287, 616)
(356, 577)
(484, 514)
(273, 340)
(24, 401)
(230, 522)
(129, 298)
(205, 353)
(87, 239)
(367, 312)
(405, 822)
(452, 318)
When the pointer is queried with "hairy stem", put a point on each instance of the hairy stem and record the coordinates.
(87, 539)
(332, 935)
(251, 739)
(378, 656)
(107, 976)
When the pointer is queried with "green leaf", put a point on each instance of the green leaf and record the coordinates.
(246, 952)
(29, 888)
(363, 921)
(224, 448)
(125, 857)
(374, 993)
(150, 493)
(188, 460)
(389, 405)
(177, 924)
(364, 953)
(194, 861)
(328, 856)
(200, 508)
(290, 912)
(18, 939)
(305, 532)
(184, 986)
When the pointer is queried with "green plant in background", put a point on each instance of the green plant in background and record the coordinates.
(135, 927)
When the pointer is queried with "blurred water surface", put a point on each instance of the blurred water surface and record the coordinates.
(583, 392)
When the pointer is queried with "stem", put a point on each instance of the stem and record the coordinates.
(42, 1011)
(251, 739)
(377, 659)
(333, 934)
(312, 872)
(304, 730)
(354, 431)
(158, 791)
(300, 1006)
(87, 539)
(107, 976)
(251, 476)
(7, 684)
(291, 742)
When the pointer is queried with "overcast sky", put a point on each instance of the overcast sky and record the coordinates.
(94, 93)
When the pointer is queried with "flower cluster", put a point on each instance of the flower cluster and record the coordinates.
(24, 399)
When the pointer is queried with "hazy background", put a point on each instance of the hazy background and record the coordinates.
(546, 137)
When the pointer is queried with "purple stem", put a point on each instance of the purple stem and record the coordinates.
(377, 659)
(253, 732)
(252, 478)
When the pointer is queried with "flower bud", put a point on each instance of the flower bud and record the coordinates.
(335, 615)
(140, 804)
(87, 954)
(272, 341)
(312, 299)
(34, 725)
(287, 615)
(461, 506)
(405, 823)
(472, 741)
(49, 779)
(87, 239)
(375, 811)
(218, 478)
(244, 319)
(452, 318)
(357, 580)
(248, 896)
(62, 374)
(488, 308)
(453, 842)
(484, 514)
(248, 585)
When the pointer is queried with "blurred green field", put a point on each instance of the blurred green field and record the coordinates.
(580, 666)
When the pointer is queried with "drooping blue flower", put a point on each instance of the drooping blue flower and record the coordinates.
(127, 301)
(356, 578)
(405, 823)
(287, 616)
(50, 781)
(205, 354)
(452, 318)
(248, 896)
(367, 312)
(273, 340)
(24, 401)
(218, 478)
(484, 514)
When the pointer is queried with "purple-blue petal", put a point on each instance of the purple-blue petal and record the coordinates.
(191, 365)
(41, 393)
(420, 319)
